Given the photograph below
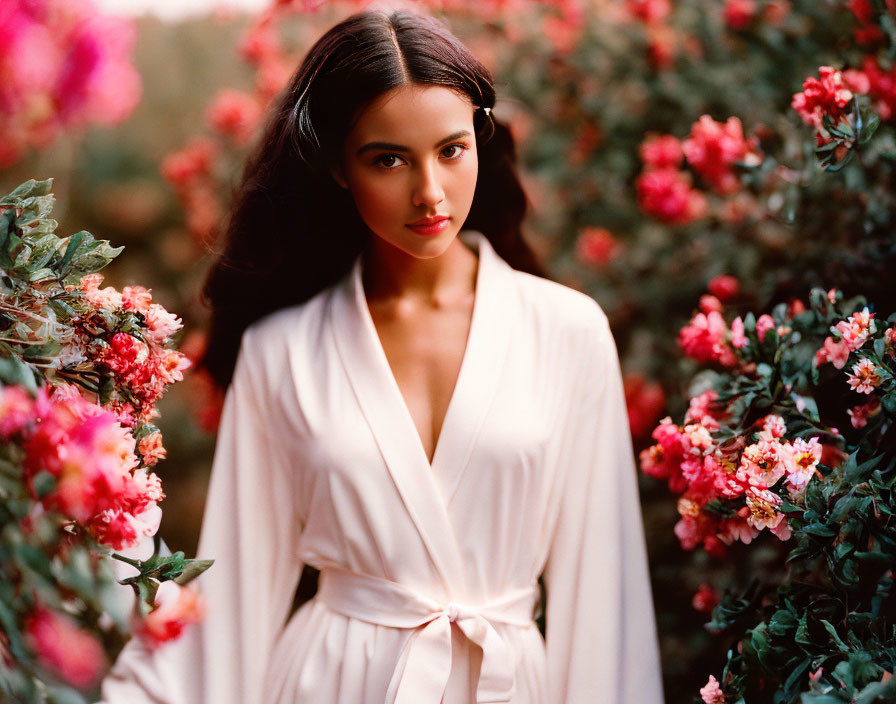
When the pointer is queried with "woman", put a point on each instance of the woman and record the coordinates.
(430, 427)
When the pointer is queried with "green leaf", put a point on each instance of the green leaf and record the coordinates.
(73, 244)
(192, 569)
(28, 189)
(836, 638)
(14, 371)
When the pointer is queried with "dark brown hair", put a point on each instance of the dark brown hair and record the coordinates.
(292, 230)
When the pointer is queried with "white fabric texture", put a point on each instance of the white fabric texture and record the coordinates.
(428, 572)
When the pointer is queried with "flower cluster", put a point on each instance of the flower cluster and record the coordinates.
(735, 469)
(715, 147)
(713, 150)
(81, 369)
(89, 459)
(64, 65)
(142, 362)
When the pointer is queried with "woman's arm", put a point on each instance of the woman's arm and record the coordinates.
(601, 633)
(250, 528)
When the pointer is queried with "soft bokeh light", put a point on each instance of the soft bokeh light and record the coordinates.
(177, 9)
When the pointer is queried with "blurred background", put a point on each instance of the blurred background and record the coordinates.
(143, 111)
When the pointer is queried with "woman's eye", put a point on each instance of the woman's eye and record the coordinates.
(387, 161)
(453, 151)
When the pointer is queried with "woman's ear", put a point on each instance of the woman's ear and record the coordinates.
(338, 175)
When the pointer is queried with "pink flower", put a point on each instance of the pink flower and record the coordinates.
(881, 87)
(835, 352)
(710, 303)
(738, 336)
(150, 448)
(704, 339)
(661, 152)
(856, 329)
(714, 147)
(649, 11)
(739, 13)
(121, 530)
(194, 161)
(763, 325)
(859, 415)
(763, 505)
(596, 247)
(100, 298)
(63, 648)
(644, 401)
(827, 95)
(806, 456)
(773, 427)
(764, 463)
(724, 287)
(162, 324)
(864, 378)
(16, 410)
(235, 114)
(700, 410)
(737, 529)
(890, 337)
(136, 298)
(712, 693)
(176, 608)
(666, 195)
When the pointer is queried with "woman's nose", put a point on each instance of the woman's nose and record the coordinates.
(428, 189)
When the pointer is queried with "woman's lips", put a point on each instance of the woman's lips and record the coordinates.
(430, 226)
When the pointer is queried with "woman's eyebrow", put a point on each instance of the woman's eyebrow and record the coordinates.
(388, 146)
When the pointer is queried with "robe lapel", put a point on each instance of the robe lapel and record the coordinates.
(426, 490)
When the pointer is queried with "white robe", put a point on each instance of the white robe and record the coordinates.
(428, 573)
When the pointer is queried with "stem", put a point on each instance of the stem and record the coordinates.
(122, 558)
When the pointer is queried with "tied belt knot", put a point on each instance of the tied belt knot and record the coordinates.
(428, 662)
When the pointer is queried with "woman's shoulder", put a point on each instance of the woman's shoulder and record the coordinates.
(289, 320)
(559, 308)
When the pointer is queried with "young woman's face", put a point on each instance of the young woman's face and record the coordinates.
(411, 164)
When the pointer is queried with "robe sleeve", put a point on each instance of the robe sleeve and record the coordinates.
(250, 528)
(601, 637)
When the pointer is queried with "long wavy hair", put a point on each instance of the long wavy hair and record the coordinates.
(292, 230)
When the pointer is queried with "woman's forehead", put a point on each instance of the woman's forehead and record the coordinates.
(417, 115)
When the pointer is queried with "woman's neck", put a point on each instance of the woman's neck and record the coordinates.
(389, 274)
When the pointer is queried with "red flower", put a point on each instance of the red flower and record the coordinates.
(714, 147)
(706, 599)
(881, 87)
(194, 160)
(235, 114)
(176, 608)
(649, 10)
(724, 287)
(596, 247)
(862, 9)
(666, 194)
(645, 401)
(661, 151)
(739, 13)
(827, 95)
(64, 649)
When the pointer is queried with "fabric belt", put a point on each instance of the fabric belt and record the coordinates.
(428, 663)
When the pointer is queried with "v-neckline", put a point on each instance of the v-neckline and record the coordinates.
(427, 489)
(386, 367)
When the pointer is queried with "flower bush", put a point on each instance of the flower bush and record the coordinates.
(585, 86)
(788, 437)
(81, 369)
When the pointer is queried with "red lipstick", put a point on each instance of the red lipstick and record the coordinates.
(429, 226)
